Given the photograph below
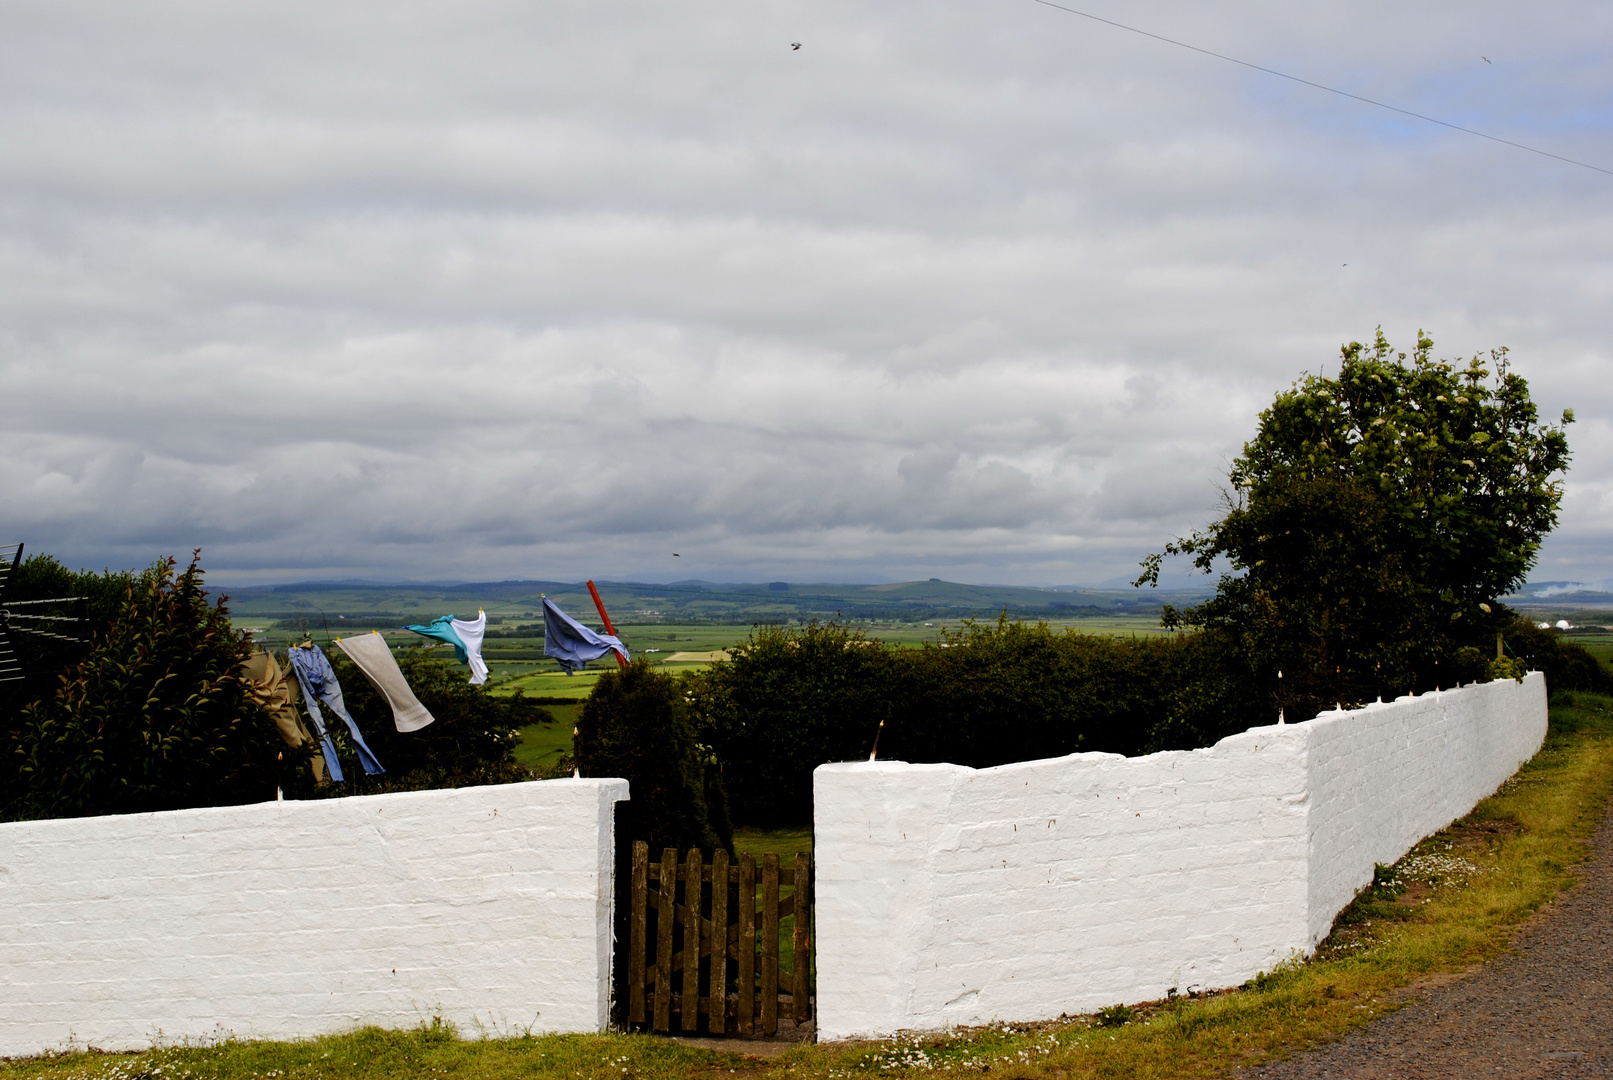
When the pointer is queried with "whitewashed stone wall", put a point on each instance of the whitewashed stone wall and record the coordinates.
(489, 906)
(948, 895)
(1383, 777)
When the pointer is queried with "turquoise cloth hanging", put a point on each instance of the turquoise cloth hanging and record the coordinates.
(443, 630)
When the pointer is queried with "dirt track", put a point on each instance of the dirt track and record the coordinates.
(1544, 1011)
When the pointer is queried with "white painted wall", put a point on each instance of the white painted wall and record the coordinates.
(490, 906)
(948, 895)
(1383, 777)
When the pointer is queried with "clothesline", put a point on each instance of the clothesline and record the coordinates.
(565, 639)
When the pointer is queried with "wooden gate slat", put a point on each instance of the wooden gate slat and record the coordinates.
(663, 942)
(746, 945)
(801, 990)
(639, 931)
(669, 981)
(689, 1014)
(717, 1017)
(769, 944)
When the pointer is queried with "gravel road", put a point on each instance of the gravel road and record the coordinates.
(1545, 1010)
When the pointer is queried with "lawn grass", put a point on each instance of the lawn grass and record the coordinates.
(429, 1052)
(781, 842)
(1453, 902)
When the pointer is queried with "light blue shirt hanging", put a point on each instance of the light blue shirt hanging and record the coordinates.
(572, 643)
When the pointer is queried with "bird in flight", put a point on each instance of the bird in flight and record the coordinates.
(1486, 59)
(794, 45)
(675, 555)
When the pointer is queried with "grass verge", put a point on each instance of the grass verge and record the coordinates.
(1453, 902)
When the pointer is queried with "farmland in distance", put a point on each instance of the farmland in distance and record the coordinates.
(685, 626)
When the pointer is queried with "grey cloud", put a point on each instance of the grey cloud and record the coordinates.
(490, 289)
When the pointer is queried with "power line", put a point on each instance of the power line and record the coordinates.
(1329, 89)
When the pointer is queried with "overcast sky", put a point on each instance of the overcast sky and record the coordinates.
(971, 289)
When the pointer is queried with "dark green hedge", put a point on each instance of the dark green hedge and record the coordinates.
(791, 699)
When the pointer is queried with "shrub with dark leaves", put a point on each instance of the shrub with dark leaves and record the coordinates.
(155, 717)
(636, 724)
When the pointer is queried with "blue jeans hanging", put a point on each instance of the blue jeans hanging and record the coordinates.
(319, 684)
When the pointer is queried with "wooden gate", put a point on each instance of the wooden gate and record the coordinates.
(704, 942)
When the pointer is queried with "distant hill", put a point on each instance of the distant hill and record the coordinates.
(361, 604)
(365, 604)
(1563, 595)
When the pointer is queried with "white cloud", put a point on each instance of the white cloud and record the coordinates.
(988, 292)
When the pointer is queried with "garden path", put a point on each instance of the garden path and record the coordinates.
(1543, 1010)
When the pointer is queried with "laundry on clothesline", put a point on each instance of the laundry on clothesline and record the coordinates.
(261, 668)
(375, 660)
(319, 684)
(465, 637)
(471, 633)
(572, 643)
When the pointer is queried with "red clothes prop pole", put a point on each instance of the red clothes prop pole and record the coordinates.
(600, 604)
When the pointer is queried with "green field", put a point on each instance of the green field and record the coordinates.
(541, 746)
(517, 663)
(325, 607)
(1598, 645)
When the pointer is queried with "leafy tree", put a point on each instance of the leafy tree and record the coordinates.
(636, 724)
(1373, 521)
(156, 717)
(787, 700)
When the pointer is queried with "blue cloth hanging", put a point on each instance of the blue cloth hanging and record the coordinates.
(572, 643)
(443, 630)
(319, 684)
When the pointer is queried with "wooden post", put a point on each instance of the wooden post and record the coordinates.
(689, 1013)
(639, 923)
(604, 618)
(801, 991)
(770, 944)
(664, 916)
(717, 1021)
(745, 947)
